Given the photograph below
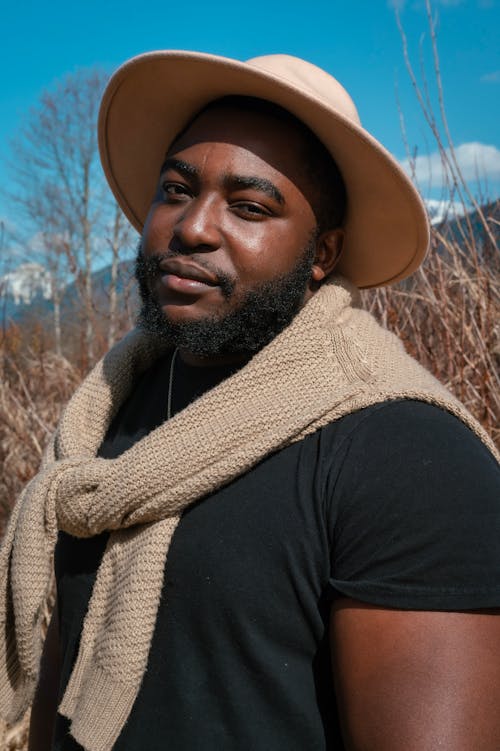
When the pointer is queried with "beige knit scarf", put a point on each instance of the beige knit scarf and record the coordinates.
(333, 359)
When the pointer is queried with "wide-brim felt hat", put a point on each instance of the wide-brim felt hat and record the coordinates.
(152, 97)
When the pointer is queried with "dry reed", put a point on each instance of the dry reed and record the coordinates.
(448, 315)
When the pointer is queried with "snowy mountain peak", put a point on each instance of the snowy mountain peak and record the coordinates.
(440, 211)
(25, 283)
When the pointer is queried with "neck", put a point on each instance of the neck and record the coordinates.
(210, 361)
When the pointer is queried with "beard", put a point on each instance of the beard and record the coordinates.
(260, 315)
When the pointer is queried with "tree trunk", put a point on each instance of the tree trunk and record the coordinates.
(56, 300)
(113, 292)
(87, 250)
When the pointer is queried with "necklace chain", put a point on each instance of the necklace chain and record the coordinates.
(170, 384)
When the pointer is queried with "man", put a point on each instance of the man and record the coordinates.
(289, 536)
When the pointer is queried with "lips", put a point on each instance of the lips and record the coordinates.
(174, 267)
(185, 278)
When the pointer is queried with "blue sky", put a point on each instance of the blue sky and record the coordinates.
(357, 41)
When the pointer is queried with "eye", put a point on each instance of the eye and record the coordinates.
(173, 191)
(250, 210)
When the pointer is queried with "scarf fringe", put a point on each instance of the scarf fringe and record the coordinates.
(93, 692)
(17, 688)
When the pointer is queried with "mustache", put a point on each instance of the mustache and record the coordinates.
(147, 267)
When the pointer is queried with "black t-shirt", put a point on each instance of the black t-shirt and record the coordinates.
(396, 505)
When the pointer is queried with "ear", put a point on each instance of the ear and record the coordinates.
(328, 251)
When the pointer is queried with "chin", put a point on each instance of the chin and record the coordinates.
(176, 314)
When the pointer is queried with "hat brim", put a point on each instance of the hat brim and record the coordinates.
(152, 97)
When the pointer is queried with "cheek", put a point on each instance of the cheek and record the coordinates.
(148, 230)
(272, 252)
(157, 229)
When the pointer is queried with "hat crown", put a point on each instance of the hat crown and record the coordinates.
(306, 76)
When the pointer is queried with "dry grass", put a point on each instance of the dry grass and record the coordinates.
(33, 389)
(448, 316)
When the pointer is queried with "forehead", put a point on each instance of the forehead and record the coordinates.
(278, 143)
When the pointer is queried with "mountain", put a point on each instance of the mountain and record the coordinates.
(441, 211)
(27, 285)
(457, 228)
(26, 290)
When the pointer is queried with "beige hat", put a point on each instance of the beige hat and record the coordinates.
(153, 96)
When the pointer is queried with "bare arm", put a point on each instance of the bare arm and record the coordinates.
(418, 681)
(44, 708)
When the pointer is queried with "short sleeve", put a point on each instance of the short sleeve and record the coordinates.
(418, 513)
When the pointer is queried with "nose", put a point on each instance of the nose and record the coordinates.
(198, 227)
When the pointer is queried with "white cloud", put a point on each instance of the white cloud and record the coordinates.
(493, 77)
(477, 161)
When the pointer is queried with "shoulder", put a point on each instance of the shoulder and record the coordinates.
(415, 512)
(416, 434)
(406, 453)
(414, 452)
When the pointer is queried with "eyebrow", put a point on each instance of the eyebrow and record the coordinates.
(252, 182)
(183, 168)
(256, 183)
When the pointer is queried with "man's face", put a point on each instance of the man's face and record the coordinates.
(232, 219)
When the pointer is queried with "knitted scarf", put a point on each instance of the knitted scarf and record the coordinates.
(333, 359)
